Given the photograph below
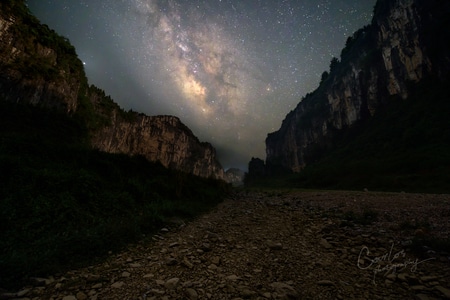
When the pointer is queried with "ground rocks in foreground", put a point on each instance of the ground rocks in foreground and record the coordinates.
(279, 245)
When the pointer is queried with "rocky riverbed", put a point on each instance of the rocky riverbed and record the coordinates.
(279, 245)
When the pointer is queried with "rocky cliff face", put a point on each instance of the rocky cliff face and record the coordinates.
(159, 138)
(32, 71)
(39, 67)
(404, 44)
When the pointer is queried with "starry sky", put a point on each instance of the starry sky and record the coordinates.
(231, 70)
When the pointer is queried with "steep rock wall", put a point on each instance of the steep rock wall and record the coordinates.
(379, 62)
(159, 138)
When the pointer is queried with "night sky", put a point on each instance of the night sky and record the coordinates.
(230, 70)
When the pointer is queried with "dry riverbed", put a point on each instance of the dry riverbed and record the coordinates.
(280, 245)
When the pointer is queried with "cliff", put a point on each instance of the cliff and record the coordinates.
(406, 43)
(159, 138)
(41, 68)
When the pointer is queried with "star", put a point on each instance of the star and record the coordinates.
(229, 69)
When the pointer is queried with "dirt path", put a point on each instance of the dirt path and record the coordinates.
(296, 245)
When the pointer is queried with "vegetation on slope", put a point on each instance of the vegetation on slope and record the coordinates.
(29, 32)
(404, 147)
(63, 203)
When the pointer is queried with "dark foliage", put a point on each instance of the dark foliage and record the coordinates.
(62, 203)
(405, 146)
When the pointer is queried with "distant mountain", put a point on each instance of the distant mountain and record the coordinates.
(235, 176)
(380, 108)
(41, 68)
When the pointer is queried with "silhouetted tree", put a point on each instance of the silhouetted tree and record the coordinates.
(324, 76)
(333, 64)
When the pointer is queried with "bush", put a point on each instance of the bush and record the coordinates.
(63, 204)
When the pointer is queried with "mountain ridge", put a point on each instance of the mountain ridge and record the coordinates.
(41, 68)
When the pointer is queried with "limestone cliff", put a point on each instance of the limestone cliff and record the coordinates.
(406, 42)
(159, 138)
(41, 68)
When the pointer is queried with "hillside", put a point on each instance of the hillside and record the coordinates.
(378, 118)
(63, 201)
(41, 68)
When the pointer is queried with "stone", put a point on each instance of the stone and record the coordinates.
(428, 278)
(172, 283)
(70, 297)
(135, 265)
(285, 290)
(160, 282)
(171, 261)
(247, 293)
(81, 296)
(118, 284)
(175, 244)
(324, 243)
(275, 246)
(422, 297)
(97, 286)
(187, 263)
(325, 283)
(443, 290)
(191, 294)
(402, 277)
(22, 293)
(126, 274)
(93, 278)
(206, 247)
(42, 281)
(392, 276)
(232, 277)
(215, 260)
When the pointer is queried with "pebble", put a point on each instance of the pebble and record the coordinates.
(232, 277)
(97, 286)
(325, 283)
(443, 290)
(324, 243)
(265, 251)
(191, 294)
(118, 284)
(126, 274)
(172, 283)
(187, 263)
(81, 296)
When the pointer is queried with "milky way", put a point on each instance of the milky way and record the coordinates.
(230, 70)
